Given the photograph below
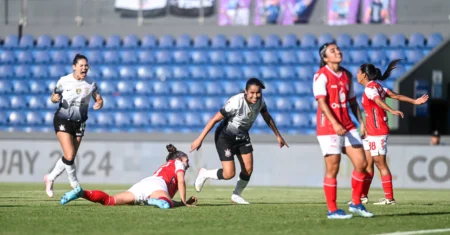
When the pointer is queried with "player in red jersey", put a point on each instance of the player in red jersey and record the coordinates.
(377, 129)
(336, 133)
(157, 190)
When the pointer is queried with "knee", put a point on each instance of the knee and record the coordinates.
(332, 170)
(228, 174)
(248, 170)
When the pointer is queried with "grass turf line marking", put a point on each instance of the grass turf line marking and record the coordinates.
(418, 232)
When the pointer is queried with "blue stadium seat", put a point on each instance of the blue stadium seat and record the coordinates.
(359, 56)
(48, 117)
(181, 57)
(416, 40)
(78, 42)
(110, 72)
(40, 71)
(18, 102)
(149, 42)
(34, 118)
(379, 41)
(289, 41)
(175, 119)
(124, 103)
(109, 102)
(414, 56)
(61, 42)
(286, 72)
(344, 41)
(193, 119)
(111, 57)
(286, 88)
(26, 42)
(104, 119)
(160, 103)
(397, 73)
(122, 119)
(177, 103)
(303, 88)
(130, 42)
(8, 57)
(146, 56)
(5, 86)
(96, 42)
(113, 42)
(308, 41)
(271, 88)
(25, 57)
(179, 88)
(107, 87)
(300, 120)
(42, 57)
(125, 87)
(213, 88)
(377, 57)
(4, 103)
(129, 57)
(237, 42)
(11, 42)
(184, 41)
(159, 87)
(22, 71)
(163, 73)
(143, 87)
(6, 71)
(272, 41)
(140, 119)
(235, 57)
(359, 89)
(325, 38)
(196, 88)
(94, 73)
(141, 103)
(219, 42)
(251, 72)
(434, 40)
(301, 104)
(396, 54)
(50, 86)
(44, 42)
(254, 41)
(270, 57)
(127, 72)
(234, 72)
(166, 41)
(283, 104)
(194, 103)
(16, 118)
(199, 57)
(60, 57)
(397, 40)
(180, 72)
(198, 72)
(158, 119)
(282, 119)
(361, 41)
(212, 103)
(305, 73)
(144, 72)
(201, 41)
(269, 72)
(305, 57)
(217, 57)
(252, 57)
(216, 72)
(231, 88)
(288, 57)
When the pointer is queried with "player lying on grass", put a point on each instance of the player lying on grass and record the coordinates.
(157, 190)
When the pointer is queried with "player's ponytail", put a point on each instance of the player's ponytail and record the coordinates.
(374, 73)
(392, 65)
(173, 153)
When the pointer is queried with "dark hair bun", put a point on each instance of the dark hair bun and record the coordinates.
(171, 148)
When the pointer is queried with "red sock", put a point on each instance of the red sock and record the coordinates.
(367, 182)
(386, 181)
(329, 186)
(100, 197)
(167, 200)
(357, 186)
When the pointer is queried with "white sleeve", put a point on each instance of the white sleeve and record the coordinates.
(59, 88)
(320, 85)
(179, 166)
(231, 107)
(371, 92)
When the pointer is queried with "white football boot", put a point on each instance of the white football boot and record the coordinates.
(200, 180)
(48, 186)
(238, 200)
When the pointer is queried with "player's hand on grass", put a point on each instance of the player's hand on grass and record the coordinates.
(282, 142)
(196, 145)
(192, 201)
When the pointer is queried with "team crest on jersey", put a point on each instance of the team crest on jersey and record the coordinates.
(62, 128)
(227, 153)
(78, 90)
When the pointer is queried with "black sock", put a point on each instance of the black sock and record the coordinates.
(244, 177)
(67, 162)
(220, 174)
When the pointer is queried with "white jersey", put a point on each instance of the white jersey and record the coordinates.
(240, 116)
(75, 98)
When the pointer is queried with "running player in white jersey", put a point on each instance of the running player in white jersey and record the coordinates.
(157, 190)
(232, 137)
(73, 93)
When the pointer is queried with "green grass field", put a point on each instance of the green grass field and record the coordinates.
(25, 209)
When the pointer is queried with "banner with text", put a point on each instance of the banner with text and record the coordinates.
(379, 12)
(283, 12)
(342, 12)
(301, 165)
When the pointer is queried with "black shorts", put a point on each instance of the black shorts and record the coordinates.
(228, 146)
(76, 129)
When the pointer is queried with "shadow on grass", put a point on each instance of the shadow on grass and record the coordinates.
(415, 214)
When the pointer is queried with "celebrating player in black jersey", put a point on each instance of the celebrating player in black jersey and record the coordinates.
(73, 93)
(232, 137)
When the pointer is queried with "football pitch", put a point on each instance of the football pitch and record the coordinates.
(25, 209)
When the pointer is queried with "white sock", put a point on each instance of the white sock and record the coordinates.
(240, 186)
(72, 174)
(57, 170)
(211, 174)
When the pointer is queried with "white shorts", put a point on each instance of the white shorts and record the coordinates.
(144, 188)
(377, 145)
(333, 144)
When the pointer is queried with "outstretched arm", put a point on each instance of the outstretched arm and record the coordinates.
(198, 142)
(423, 99)
(271, 123)
(386, 107)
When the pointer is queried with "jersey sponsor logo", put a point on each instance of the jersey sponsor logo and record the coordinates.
(334, 86)
(86, 91)
(342, 96)
(337, 106)
(248, 145)
(227, 153)
(62, 128)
